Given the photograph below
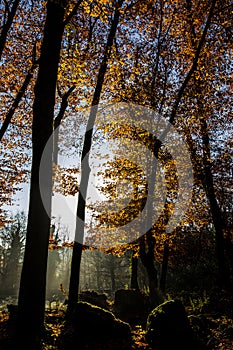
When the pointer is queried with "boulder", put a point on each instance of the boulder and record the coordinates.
(131, 306)
(168, 328)
(94, 298)
(90, 327)
(13, 312)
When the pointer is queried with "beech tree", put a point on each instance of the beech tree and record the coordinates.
(170, 56)
(85, 170)
(171, 95)
(18, 69)
(31, 301)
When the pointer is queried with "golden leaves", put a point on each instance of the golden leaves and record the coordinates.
(65, 180)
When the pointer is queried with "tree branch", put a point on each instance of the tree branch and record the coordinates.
(194, 65)
(7, 26)
(64, 104)
(17, 100)
(72, 13)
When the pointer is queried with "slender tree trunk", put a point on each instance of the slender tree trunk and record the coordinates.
(85, 169)
(153, 282)
(164, 267)
(147, 245)
(33, 279)
(216, 213)
(17, 100)
(134, 272)
(6, 27)
(206, 176)
(58, 120)
(229, 249)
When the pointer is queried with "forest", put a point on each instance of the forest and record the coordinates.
(116, 181)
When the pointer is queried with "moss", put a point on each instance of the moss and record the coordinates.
(94, 298)
(168, 327)
(95, 328)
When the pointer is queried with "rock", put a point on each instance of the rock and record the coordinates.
(13, 312)
(94, 299)
(90, 327)
(131, 306)
(168, 328)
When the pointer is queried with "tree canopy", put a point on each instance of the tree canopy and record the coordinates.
(64, 66)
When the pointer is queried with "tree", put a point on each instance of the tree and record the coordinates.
(85, 170)
(171, 56)
(203, 110)
(158, 83)
(33, 279)
(18, 67)
(134, 272)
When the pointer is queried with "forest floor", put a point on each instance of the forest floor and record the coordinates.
(214, 329)
(214, 333)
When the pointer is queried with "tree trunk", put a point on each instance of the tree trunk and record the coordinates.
(229, 249)
(58, 120)
(164, 267)
(31, 302)
(18, 99)
(216, 213)
(7, 25)
(147, 245)
(85, 170)
(153, 283)
(134, 272)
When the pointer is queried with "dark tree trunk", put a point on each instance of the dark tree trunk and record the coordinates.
(85, 170)
(6, 27)
(17, 100)
(33, 279)
(153, 283)
(134, 272)
(216, 213)
(164, 267)
(229, 249)
(58, 120)
(206, 176)
(147, 246)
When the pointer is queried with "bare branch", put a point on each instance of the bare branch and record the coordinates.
(7, 26)
(18, 98)
(194, 65)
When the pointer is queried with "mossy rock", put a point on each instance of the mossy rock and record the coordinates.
(131, 306)
(90, 327)
(168, 328)
(94, 298)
